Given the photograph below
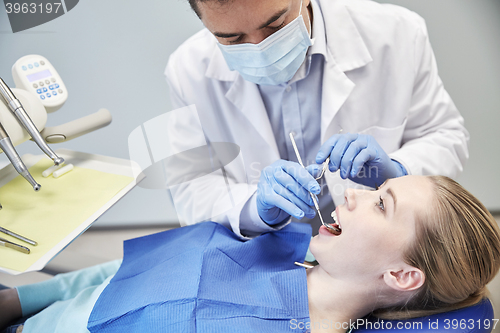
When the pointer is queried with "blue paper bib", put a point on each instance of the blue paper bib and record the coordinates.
(202, 278)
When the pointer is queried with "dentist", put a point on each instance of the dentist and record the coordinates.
(353, 80)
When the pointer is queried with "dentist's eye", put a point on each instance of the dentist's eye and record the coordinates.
(380, 204)
(278, 27)
(236, 41)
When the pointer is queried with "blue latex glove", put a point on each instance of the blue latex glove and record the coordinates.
(359, 158)
(283, 191)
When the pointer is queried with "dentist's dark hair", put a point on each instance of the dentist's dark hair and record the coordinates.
(457, 247)
(196, 9)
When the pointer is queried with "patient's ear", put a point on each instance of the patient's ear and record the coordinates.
(404, 279)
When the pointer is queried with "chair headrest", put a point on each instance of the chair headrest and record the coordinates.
(474, 319)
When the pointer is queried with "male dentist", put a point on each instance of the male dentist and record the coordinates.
(353, 80)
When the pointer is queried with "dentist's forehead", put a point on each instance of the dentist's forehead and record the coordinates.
(235, 15)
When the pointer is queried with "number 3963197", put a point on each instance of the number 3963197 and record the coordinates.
(33, 8)
(470, 324)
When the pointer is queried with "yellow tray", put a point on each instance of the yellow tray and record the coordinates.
(64, 207)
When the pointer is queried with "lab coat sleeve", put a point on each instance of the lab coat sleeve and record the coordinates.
(222, 196)
(37, 296)
(435, 141)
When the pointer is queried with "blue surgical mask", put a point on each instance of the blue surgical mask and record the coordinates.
(273, 61)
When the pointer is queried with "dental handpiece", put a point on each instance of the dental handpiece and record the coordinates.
(8, 149)
(18, 110)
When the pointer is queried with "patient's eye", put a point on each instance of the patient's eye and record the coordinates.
(380, 204)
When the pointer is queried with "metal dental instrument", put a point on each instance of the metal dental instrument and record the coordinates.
(328, 226)
(17, 247)
(325, 166)
(18, 110)
(13, 234)
(306, 266)
(8, 149)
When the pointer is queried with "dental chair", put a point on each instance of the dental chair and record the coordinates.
(474, 319)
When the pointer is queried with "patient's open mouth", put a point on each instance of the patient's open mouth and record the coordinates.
(337, 229)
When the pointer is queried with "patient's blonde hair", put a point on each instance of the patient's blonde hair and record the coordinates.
(457, 246)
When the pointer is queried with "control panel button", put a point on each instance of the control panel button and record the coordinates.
(39, 91)
(42, 62)
(44, 89)
(54, 93)
(47, 81)
(57, 86)
(51, 87)
(37, 64)
(48, 95)
(35, 85)
(30, 66)
(60, 91)
(42, 97)
(40, 84)
(24, 68)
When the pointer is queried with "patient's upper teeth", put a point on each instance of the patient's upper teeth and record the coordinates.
(335, 219)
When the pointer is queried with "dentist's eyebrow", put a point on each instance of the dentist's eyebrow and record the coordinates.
(274, 18)
(236, 34)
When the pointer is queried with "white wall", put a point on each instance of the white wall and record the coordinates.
(112, 54)
(465, 36)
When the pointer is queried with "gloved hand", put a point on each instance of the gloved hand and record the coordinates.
(283, 191)
(359, 158)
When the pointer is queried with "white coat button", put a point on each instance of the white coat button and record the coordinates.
(288, 89)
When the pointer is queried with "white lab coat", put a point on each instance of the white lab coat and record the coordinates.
(380, 78)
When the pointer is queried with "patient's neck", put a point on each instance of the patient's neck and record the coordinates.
(334, 303)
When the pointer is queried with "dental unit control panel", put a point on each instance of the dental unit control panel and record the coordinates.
(37, 75)
(23, 113)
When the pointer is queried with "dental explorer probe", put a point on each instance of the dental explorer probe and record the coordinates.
(8, 149)
(18, 110)
(329, 227)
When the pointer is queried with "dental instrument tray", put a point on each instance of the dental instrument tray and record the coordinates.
(63, 209)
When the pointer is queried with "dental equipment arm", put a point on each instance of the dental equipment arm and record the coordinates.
(8, 149)
(18, 110)
(76, 128)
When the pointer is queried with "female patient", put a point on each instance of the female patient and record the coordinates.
(416, 246)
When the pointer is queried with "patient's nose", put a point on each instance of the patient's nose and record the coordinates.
(350, 198)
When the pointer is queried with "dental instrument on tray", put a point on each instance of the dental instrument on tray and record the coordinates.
(329, 227)
(8, 149)
(14, 246)
(17, 109)
(13, 234)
